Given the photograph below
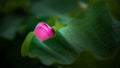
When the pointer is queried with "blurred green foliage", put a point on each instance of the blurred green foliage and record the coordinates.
(18, 18)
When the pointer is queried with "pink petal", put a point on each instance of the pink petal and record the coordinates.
(43, 31)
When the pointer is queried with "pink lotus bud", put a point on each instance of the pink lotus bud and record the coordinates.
(43, 31)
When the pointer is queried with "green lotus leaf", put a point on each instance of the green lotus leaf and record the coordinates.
(94, 30)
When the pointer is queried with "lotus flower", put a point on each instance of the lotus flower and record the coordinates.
(43, 31)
